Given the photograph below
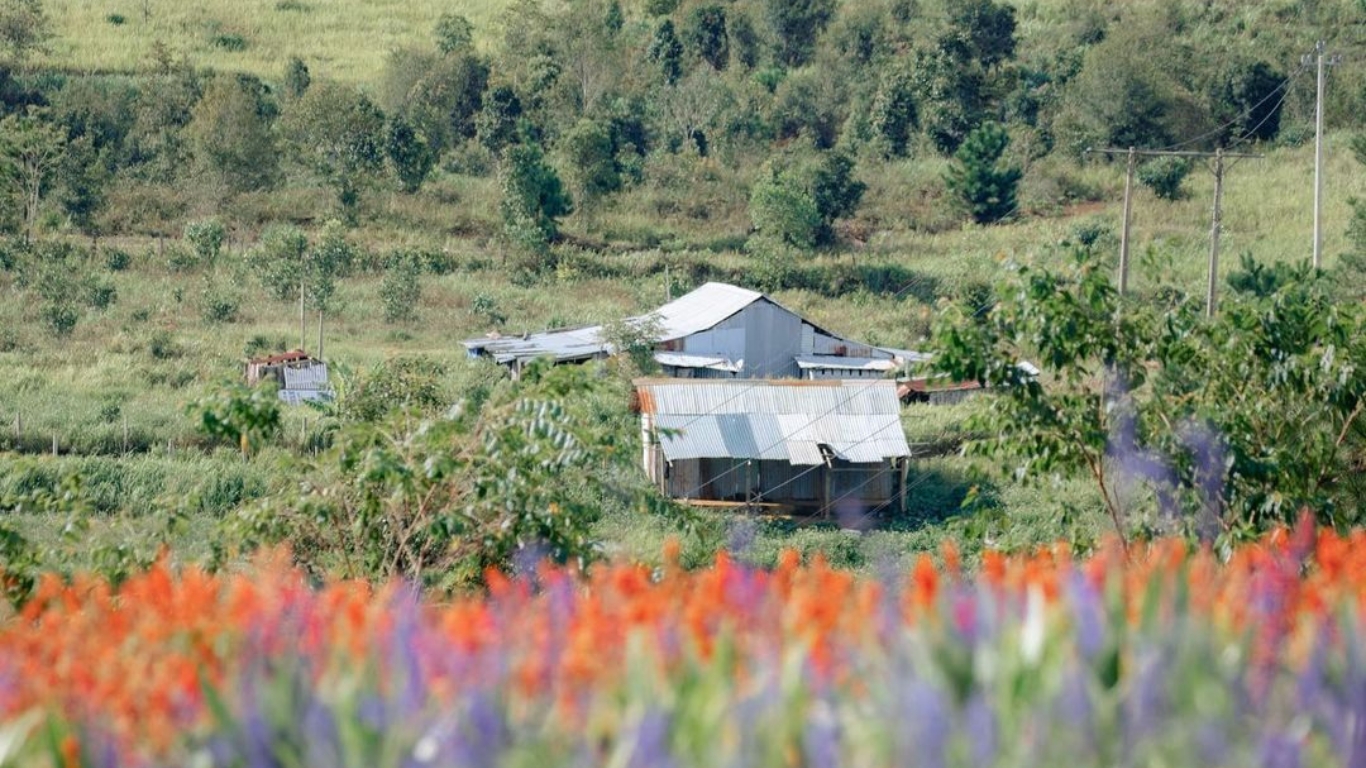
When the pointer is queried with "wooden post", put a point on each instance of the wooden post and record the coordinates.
(1124, 231)
(320, 334)
(54, 443)
(125, 434)
(18, 427)
(1211, 295)
(303, 321)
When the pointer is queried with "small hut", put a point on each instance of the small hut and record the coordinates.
(298, 375)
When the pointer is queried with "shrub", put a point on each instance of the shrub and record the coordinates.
(206, 237)
(100, 294)
(1164, 176)
(400, 290)
(217, 306)
(117, 19)
(60, 317)
(180, 259)
(230, 42)
(117, 259)
(161, 346)
(278, 260)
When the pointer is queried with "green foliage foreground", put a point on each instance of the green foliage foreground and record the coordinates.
(1231, 423)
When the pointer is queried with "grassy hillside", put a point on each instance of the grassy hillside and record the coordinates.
(345, 40)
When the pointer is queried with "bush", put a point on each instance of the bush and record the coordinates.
(400, 290)
(1164, 176)
(206, 237)
(60, 317)
(230, 42)
(218, 306)
(100, 294)
(278, 260)
(181, 259)
(117, 259)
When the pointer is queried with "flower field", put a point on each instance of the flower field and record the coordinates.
(1164, 656)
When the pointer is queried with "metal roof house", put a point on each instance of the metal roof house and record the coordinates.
(298, 375)
(814, 446)
(717, 331)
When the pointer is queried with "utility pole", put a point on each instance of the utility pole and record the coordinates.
(303, 321)
(1124, 232)
(1322, 60)
(1211, 293)
(1219, 157)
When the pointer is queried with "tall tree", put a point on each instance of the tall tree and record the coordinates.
(705, 32)
(338, 133)
(410, 154)
(31, 150)
(797, 25)
(978, 177)
(231, 135)
(667, 52)
(533, 196)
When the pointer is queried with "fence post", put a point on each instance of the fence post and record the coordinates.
(125, 435)
(54, 443)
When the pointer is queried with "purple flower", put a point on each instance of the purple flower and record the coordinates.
(979, 723)
(1280, 751)
(822, 739)
(650, 739)
(1088, 615)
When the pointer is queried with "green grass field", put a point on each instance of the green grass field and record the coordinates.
(344, 40)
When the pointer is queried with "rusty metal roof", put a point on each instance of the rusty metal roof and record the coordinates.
(857, 421)
(294, 355)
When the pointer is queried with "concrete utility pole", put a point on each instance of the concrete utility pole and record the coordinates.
(1219, 156)
(1211, 292)
(1124, 231)
(1322, 60)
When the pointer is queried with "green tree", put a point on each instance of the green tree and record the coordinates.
(410, 154)
(1232, 424)
(533, 197)
(836, 192)
(31, 152)
(496, 123)
(297, 78)
(979, 178)
(440, 500)
(400, 289)
(588, 150)
(704, 30)
(781, 208)
(278, 260)
(246, 418)
(980, 31)
(445, 98)
(797, 24)
(895, 116)
(453, 33)
(207, 238)
(231, 134)
(666, 51)
(337, 131)
(1164, 176)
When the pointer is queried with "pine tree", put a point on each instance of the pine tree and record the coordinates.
(978, 178)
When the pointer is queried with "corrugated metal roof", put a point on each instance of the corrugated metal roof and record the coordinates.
(701, 309)
(698, 310)
(837, 363)
(680, 360)
(859, 421)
